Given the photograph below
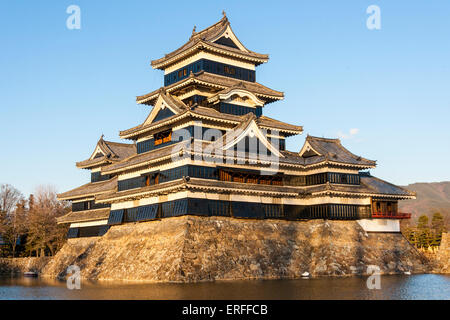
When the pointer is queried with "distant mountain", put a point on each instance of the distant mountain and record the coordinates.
(431, 197)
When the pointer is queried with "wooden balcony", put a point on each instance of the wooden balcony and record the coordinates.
(391, 215)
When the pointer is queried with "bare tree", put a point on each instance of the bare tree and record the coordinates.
(9, 197)
(43, 231)
(15, 226)
(12, 215)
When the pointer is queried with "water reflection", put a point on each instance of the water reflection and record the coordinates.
(392, 287)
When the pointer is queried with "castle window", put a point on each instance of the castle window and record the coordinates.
(229, 70)
(252, 179)
(264, 180)
(238, 178)
(224, 176)
(163, 137)
(277, 182)
(152, 179)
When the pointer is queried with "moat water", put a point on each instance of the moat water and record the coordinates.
(393, 287)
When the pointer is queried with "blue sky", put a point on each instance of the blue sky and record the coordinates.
(385, 92)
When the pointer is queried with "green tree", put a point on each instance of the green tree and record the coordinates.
(422, 223)
(411, 235)
(438, 227)
(423, 233)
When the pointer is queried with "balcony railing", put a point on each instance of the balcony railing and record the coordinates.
(391, 215)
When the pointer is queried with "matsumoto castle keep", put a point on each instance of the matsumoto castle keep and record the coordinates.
(206, 149)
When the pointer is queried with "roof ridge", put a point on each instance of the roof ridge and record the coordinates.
(206, 37)
(96, 183)
(198, 34)
(309, 137)
(172, 100)
(119, 143)
(225, 83)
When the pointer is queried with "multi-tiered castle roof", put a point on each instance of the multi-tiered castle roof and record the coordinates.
(207, 149)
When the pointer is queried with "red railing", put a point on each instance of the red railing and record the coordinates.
(391, 215)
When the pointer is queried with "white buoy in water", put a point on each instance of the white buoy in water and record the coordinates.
(305, 274)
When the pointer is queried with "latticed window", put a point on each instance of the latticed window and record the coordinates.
(224, 175)
(319, 178)
(343, 178)
(264, 180)
(295, 181)
(277, 182)
(238, 178)
(252, 179)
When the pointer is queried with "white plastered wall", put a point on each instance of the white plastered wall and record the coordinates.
(380, 225)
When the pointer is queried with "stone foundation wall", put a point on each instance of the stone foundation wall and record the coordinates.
(189, 248)
(21, 265)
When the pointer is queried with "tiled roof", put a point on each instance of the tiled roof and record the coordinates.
(112, 152)
(287, 191)
(232, 134)
(378, 186)
(369, 186)
(333, 151)
(215, 81)
(173, 101)
(83, 216)
(199, 112)
(205, 40)
(89, 189)
(269, 123)
(288, 157)
(143, 158)
(142, 192)
(383, 189)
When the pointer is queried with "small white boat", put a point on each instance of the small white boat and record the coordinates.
(30, 274)
(305, 274)
(408, 273)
